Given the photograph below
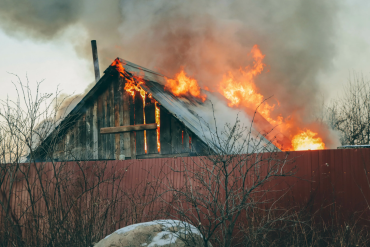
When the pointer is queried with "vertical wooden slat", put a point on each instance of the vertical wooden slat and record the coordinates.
(185, 144)
(91, 143)
(73, 141)
(126, 121)
(121, 116)
(151, 135)
(165, 131)
(111, 150)
(82, 139)
(196, 145)
(88, 134)
(132, 122)
(139, 119)
(100, 123)
(95, 131)
(176, 135)
(66, 145)
(117, 98)
(105, 124)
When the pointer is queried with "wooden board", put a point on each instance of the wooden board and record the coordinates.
(176, 135)
(95, 132)
(132, 122)
(117, 97)
(107, 123)
(165, 131)
(88, 133)
(198, 147)
(111, 140)
(185, 141)
(100, 122)
(82, 137)
(151, 135)
(129, 128)
(92, 134)
(126, 121)
(139, 119)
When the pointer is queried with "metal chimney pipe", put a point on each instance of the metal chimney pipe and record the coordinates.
(95, 60)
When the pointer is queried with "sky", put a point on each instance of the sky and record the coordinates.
(55, 62)
(58, 62)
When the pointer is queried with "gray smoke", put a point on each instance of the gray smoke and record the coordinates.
(206, 37)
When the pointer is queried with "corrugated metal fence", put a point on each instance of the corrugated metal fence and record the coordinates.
(338, 178)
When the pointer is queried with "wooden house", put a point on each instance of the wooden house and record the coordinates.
(128, 114)
(111, 122)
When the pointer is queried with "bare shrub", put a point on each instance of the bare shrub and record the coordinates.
(218, 189)
(350, 115)
(57, 203)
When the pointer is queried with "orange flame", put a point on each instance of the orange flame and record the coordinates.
(143, 93)
(243, 92)
(158, 122)
(132, 85)
(307, 140)
(119, 67)
(183, 85)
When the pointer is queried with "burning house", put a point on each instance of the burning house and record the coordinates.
(129, 114)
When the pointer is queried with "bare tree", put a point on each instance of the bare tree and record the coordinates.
(350, 114)
(220, 189)
(56, 203)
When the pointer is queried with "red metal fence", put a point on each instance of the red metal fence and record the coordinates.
(335, 179)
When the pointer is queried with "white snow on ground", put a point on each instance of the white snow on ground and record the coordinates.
(159, 239)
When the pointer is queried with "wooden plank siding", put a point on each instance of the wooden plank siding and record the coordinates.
(165, 134)
(151, 135)
(139, 119)
(114, 107)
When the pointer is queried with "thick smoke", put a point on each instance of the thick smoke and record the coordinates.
(208, 38)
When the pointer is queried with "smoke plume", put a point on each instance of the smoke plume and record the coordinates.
(208, 38)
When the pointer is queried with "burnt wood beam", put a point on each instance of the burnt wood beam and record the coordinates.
(128, 128)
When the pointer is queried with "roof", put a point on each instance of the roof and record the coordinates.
(187, 110)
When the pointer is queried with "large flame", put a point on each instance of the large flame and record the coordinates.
(307, 140)
(183, 85)
(240, 90)
(132, 85)
(243, 92)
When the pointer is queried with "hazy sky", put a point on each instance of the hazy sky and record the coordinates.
(57, 62)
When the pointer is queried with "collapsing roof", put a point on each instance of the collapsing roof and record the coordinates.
(187, 110)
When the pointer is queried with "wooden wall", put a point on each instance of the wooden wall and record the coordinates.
(113, 106)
